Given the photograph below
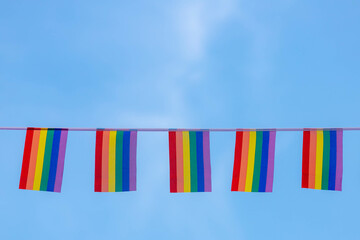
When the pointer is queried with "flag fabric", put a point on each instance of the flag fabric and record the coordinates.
(322, 165)
(115, 161)
(254, 161)
(189, 155)
(43, 159)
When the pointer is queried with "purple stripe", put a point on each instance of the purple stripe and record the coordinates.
(206, 156)
(270, 173)
(339, 159)
(60, 166)
(132, 170)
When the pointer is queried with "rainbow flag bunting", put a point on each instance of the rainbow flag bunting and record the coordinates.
(254, 161)
(322, 165)
(115, 161)
(43, 160)
(190, 169)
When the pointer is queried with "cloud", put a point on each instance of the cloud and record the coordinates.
(163, 100)
(197, 21)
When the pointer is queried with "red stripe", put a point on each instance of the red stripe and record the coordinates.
(172, 156)
(305, 163)
(26, 158)
(237, 161)
(98, 158)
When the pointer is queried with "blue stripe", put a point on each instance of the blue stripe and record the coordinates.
(332, 167)
(264, 161)
(126, 161)
(54, 160)
(200, 161)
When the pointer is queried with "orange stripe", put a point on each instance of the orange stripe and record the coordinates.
(105, 163)
(312, 159)
(33, 157)
(244, 161)
(179, 162)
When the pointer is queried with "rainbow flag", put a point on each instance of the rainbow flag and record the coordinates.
(254, 161)
(43, 160)
(322, 165)
(115, 161)
(190, 169)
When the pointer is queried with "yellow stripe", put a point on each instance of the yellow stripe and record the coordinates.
(319, 158)
(112, 167)
(186, 157)
(251, 161)
(40, 160)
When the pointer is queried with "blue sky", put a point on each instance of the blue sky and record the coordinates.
(179, 64)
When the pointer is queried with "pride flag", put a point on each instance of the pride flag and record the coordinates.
(115, 161)
(322, 165)
(254, 161)
(190, 169)
(43, 160)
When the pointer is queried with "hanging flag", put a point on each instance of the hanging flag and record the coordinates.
(190, 169)
(115, 161)
(254, 161)
(322, 166)
(43, 160)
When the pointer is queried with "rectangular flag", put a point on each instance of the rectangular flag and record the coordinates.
(254, 161)
(43, 160)
(322, 165)
(190, 169)
(115, 161)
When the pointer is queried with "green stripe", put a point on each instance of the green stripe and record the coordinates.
(47, 160)
(193, 161)
(326, 161)
(257, 164)
(118, 161)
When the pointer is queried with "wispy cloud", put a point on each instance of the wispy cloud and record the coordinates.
(197, 21)
(164, 89)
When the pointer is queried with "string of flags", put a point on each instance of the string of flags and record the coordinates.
(189, 159)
